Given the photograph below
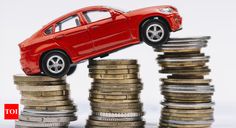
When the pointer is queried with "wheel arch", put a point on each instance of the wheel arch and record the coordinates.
(150, 18)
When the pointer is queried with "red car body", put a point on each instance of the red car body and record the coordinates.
(91, 39)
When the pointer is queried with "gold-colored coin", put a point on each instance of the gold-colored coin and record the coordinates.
(113, 66)
(118, 110)
(117, 85)
(114, 71)
(112, 77)
(113, 97)
(183, 115)
(168, 125)
(136, 89)
(116, 106)
(45, 93)
(39, 83)
(183, 64)
(42, 88)
(52, 98)
(187, 118)
(112, 62)
(45, 103)
(125, 81)
(114, 101)
(21, 78)
(176, 111)
(104, 92)
(53, 108)
(139, 124)
(183, 71)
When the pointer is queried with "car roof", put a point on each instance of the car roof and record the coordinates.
(74, 12)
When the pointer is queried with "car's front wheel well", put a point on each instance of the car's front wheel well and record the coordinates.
(59, 50)
(151, 18)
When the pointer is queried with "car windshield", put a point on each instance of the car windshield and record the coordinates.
(118, 9)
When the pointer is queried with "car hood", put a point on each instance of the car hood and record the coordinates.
(149, 9)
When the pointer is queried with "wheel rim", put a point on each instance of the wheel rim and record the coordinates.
(55, 64)
(155, 32)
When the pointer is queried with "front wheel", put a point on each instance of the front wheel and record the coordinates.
(55, 64)
(72, 70)
(154, 32)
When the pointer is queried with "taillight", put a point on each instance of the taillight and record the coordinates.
(21, 46)
(174, 8)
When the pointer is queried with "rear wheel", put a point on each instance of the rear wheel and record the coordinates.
(155, 32)
(55, 64)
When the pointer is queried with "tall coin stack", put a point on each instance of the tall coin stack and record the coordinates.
(46, 102)
(114, 94)
(187, 93)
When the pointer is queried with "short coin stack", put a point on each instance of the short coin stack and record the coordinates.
(114, 94)
(46, 102)
(188, 94)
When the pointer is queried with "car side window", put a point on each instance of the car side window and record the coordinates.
(48, 31)
(93, 16)
(70, 22)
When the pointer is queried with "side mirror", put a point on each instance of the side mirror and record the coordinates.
(114, 14)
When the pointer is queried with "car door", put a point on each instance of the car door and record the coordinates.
(107, 31)
(71, 34)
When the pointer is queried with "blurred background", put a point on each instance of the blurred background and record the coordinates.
(21, 18)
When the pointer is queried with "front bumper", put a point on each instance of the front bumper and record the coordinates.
(30, 63)
(175, 22)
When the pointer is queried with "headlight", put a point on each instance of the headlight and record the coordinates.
(166, 10)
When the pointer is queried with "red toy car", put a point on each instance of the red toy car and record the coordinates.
(92, 32)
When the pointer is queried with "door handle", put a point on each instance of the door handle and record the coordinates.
(60, 36)
(95, 27)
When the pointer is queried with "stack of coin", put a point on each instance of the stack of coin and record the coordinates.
(187, 93)
(46, 102)
(115, 94)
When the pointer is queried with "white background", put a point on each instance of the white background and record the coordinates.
(21, 18)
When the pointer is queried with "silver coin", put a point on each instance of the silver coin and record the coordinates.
(184, 44)
(49, 112)
(188, 122)
(115, 119)
(118, 114)
(48, 115)
(205, 58)
(189, 39)
(188, 105)
(47, 119)
(40, 125)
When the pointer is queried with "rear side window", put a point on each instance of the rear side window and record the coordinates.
(48, 31)
(70, 22)
(93, 16)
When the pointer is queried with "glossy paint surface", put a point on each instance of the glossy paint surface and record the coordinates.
(92, 39)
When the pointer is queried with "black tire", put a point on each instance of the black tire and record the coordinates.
(163, 38)
(72, 70)
(54, 55)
